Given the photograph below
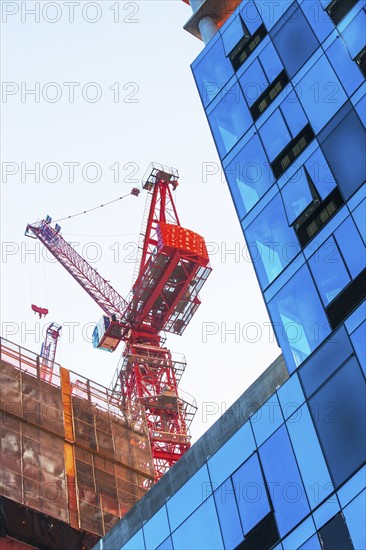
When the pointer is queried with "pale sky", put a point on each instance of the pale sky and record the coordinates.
(117, 92)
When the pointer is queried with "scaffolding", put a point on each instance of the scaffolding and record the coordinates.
(69, 449)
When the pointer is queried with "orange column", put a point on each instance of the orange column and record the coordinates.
(69, 446)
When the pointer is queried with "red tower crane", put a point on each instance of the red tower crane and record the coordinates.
(173, 267)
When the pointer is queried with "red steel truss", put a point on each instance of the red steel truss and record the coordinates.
(93, 283)
(173, 267)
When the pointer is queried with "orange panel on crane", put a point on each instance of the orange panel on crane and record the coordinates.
(176, 236)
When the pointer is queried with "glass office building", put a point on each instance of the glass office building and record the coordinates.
(283, 87)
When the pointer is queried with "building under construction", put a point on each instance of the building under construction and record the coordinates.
(75, 456)
(73, 459)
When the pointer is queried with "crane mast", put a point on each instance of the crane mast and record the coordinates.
(48, 351)
(174, 265)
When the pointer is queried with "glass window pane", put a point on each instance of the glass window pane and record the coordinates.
(302, 324)
(230, 119)
(361, 109)
(336, 535)
(250, 16)
(359, 215)
(275, 135)
(347, 70)
(354, 513)
(356, 318)
(313, 468)
(227, 511)
(335, 414)
(311, 544)
(266, 420)
(344, 148)
(270, 61)
(325, 361)
(359, 343)
(271, 11)
(249, 176)
(231, 455)
(135, 543)
(271, 241)
(329, 271)
(212, 72)
(320, 173)
(156, 529)
(326, 511)
(296, 195)
(294, 114)
(166, 545)
(251, 494)
(353, 487)
(321, 93)
(189, 497)
(253, 82)
(290, 395)
(299, 535)
(232, 35)
(284, 481)
(200, 530)
(294, 39)
(355, 255)
(319, 20)
(354, 34)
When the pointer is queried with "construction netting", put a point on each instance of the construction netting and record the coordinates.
(68, 447)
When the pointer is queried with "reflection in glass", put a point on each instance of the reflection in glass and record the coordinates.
(212, 72)
(249, 176)
(313, 468)
(251, 493)
(271, 241)
(283, 481)
(329, 271)
(338, 411)
(294, 39)
(302, 324)
(229, 120)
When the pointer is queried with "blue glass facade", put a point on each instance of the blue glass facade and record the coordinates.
(283, 88)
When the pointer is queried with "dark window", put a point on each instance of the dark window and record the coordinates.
(316, 216)
(246, 46)
(269, 95)
(338, 411)
(346, 302)
(294, 39)
(361, 61)
(292, 151)
(338, 9)
(264, 536)
(343, 141)
(335, 534)
(325, 361)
